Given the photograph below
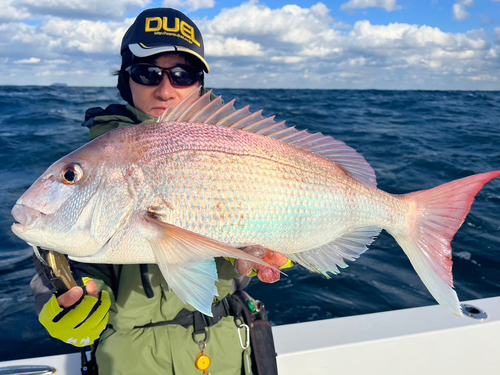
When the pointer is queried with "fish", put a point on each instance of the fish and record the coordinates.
(207, 180)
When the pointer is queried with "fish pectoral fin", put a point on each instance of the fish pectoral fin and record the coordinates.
(186, 261)
(183, 245)
(330, 257)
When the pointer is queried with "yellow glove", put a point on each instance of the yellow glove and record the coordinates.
(79, 325)
(288, 264)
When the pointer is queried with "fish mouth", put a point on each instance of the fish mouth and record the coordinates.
(26, 217)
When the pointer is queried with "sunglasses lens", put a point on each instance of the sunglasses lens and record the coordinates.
(146, 75)
(152, 75)
(183, 78)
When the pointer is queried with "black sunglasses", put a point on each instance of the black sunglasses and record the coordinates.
(152, 75)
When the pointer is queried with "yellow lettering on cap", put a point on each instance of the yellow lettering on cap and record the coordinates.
(148, 24)
(188, 31)
(184, 28)
(170, 29)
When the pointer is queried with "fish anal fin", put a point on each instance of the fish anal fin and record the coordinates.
(330, 257)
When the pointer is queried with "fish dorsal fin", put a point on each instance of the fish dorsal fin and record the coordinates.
(200, 109)
(193, 102)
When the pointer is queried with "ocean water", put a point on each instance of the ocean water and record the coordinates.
(413, 139)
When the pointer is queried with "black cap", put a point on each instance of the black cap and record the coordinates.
(160, 30)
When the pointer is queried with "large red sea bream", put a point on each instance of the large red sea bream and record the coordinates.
(207, 179)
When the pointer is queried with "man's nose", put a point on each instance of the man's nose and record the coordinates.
(165, 90)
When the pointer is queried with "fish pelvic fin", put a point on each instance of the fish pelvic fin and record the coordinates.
(186, 261)
(192, 283)
(329, 258)
(436, 215)
(201, 109)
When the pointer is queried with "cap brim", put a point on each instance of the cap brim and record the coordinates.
(140, 50)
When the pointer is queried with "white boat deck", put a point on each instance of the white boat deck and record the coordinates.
(425, 340)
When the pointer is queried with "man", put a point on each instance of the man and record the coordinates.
(150, 330)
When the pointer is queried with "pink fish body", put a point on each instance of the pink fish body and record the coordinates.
(206, 180)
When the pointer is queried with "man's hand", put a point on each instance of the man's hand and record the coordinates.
(74, 295)
(75, 318)
(265, 274)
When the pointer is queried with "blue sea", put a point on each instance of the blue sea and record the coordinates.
(413, 139)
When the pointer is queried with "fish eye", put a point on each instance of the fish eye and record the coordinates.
(71, 174)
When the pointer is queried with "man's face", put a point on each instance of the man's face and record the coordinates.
(153, 100)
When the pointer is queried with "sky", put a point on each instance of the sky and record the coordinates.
(343, 44)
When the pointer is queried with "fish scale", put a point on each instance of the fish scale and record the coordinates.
(260, 175)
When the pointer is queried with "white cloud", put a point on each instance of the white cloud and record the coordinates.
(360, 61)
(496, 34)
(460, 55)
(459, 12)
(399, 36)
(61, 73)
(388, 5)
(32, 60)
(422, 46)
(24, 41)
(348, 75)
(459, 9)
(492, 54)
(233, 47)
(13, 13)
(288, 59)
(88, 9)
(290, 24)
(483, 77)
(85, 36)
(285, 35)
(191, 5)
(57, 61)
(306, 39)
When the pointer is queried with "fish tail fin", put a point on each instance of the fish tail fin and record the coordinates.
(435, 217)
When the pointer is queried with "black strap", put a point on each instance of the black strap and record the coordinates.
(88, 367)
(184, 318)
(200, 333)
(146, 282)
(200, 321)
